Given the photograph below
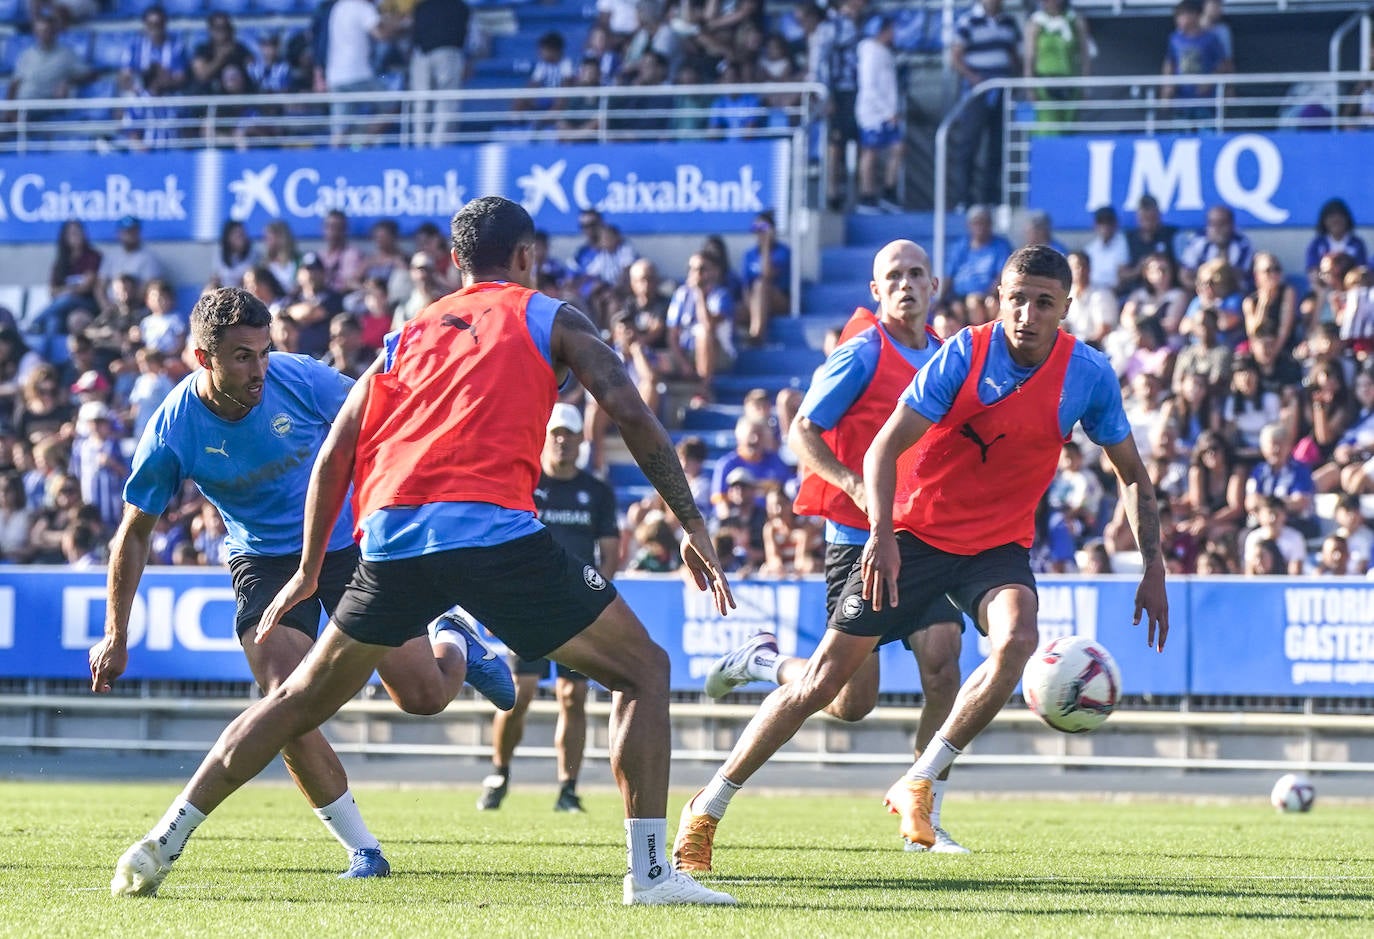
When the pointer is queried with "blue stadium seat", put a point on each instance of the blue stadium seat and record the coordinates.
(233, 7)
(13, 49)
(106, 86)
(13, 11)
(284, 6)
(108, 48)
(195, 8)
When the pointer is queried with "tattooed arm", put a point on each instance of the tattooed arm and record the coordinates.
(577, 345)
(1138, 498)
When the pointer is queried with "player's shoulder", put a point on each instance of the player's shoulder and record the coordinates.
(1086, 358)
(293, 366)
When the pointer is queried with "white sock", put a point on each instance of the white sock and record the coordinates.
(452, 636)
(937, 757)
(345, 822)
(646, 842)
(715, 798)
(763, 665)
(938, 788)
(174, 828)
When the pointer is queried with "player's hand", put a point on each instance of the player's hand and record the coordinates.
(108, 657)
(300, 587)
(880, 565)
(700, 557)
(1152, 599)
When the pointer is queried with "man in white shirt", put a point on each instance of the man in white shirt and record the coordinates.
(1108, 249)
(353, 24)
(877, 107)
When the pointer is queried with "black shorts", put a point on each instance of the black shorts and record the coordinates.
(258, 577)
(927, 575)
(540, 667)
(843, 559)
(844, 126)
(529, 592)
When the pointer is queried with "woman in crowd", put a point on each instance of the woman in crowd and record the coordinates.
(1218, 287)
(1248, 407)
(234, 256)
(16, 521)
(1272, 310)
(1216, 489)
(1326, 409)
(44, 405)
(1159, 296)
(72, 279)
(1335, 233)
(279, 251)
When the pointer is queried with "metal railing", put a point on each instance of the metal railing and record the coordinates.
(1362, 19)
(1132, 104)
(790, 111)
(1184, 728)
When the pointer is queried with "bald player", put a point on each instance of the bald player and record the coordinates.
(851, 397)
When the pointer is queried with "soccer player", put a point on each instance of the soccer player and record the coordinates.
(846, 405)
(443, 497)
(579, 511)
(245, 428)
(984, 423)
(1003, 397)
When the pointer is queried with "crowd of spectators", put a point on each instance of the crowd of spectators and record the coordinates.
(1250, 393)
(80, 378)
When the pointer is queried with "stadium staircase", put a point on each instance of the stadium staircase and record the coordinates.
(793, 351)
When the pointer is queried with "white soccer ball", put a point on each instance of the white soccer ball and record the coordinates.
(1073, 684)
(1293, 793)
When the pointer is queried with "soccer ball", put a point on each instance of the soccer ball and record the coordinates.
(1293, 793)
(1073, 684)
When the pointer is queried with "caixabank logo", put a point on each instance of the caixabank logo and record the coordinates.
(645, 188)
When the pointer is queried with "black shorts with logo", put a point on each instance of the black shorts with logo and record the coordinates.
(529, 592)
(258, 577)
(843, 559)
(929, 575)
(540, 668)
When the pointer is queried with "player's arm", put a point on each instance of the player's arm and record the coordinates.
(1142, 514)
(880, 561)
(324, 499)
(128, 557)
(806, 442)
(576, 343)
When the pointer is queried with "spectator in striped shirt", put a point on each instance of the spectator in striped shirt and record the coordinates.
(156, 47)
(987, 45)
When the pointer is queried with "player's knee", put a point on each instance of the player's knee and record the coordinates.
(851, 708)
(423, 702)
(815, 691)
(940, 678)
(572, 696)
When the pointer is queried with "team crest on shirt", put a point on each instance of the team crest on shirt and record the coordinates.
(593, 578)
(584, 498)
(281, 425)
(852, 607)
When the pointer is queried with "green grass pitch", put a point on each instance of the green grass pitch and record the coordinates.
(822, 865)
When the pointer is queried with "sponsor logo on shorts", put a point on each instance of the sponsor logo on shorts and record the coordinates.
(593, 578)
(852, 607)
(281, 425)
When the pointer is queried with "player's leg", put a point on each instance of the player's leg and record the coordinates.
(570, 736)
(617, 652)
(426, 673)
(333, 671)
(997, 585)
(936, 649)
(309, 759)
(758, 659)
(507, 730)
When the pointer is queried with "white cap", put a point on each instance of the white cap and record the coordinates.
(93, 411)
(566, 416)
